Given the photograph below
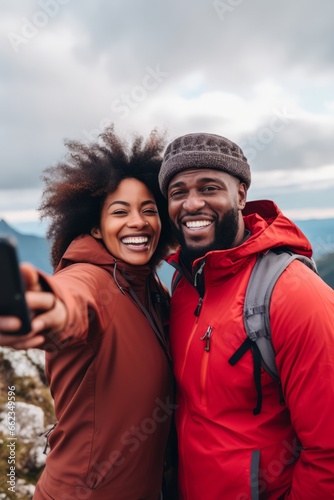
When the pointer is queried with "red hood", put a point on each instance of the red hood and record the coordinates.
(269, 229)
(87, 250)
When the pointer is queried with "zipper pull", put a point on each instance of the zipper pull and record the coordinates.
(207, 337)
(198, 307)
(199, 272)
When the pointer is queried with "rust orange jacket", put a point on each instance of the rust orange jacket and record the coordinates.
(110, 380)
(226, 452)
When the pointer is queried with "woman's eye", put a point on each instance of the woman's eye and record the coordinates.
(150, 211)
(119, 212)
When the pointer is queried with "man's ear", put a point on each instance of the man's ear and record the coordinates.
(96, 233)
(242, 195)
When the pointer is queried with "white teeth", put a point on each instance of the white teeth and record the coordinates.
(198, 223)
(135, 240)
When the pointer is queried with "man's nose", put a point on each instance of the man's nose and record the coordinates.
(193, 202)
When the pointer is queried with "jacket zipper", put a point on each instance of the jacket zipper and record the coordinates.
(196, 314)
(200, 300)
(206, 338)
(203, 370)
(198, 273)
(198, 307)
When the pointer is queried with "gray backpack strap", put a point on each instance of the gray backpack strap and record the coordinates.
(265, 273)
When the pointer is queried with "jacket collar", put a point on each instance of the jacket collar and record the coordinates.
(269, 228)
(86, 249)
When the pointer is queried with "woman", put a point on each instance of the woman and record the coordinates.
(107, 357)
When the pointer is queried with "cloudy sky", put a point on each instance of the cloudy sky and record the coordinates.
(256, 71)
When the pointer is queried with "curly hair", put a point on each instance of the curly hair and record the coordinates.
(77, 187)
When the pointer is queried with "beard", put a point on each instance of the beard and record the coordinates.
(225, 234)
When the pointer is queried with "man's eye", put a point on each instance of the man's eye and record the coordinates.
(179, 192)
(209, 188)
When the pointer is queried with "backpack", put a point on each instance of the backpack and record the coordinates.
(268, 268)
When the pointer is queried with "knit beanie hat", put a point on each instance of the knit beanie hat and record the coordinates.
(203, 151)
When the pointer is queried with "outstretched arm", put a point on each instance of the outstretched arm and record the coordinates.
(49, 314)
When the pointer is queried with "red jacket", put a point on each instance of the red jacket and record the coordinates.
(226, 452)
(111, 382)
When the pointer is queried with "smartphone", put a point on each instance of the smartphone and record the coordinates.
(12, 299)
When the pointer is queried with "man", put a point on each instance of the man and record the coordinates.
(286, 449)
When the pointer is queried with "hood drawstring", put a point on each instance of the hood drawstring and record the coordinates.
(159, 334)
(46, 434)
(115, 277)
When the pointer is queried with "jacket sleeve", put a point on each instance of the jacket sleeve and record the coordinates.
(302, 320)
(89, 296)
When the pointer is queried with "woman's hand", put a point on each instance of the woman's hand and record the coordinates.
(49, 314)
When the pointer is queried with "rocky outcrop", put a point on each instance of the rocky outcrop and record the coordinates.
(26, 412)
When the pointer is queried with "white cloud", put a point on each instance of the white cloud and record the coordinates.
(310, 213)
(232, 75)
(296, 180)
(12, 216)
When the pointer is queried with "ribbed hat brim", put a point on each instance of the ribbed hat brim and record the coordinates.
(202, 159)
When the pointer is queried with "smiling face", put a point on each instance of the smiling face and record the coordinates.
(205, 210)
(130, 225)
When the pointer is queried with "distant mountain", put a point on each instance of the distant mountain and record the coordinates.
(326, 269)
(320, 232)
(34, 249)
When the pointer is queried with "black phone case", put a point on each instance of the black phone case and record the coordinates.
(12, 300)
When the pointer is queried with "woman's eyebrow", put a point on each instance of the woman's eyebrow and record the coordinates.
(149, 202)
(119, 202)
(127, 204)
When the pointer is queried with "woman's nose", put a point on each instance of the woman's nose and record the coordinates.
(137, 220)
